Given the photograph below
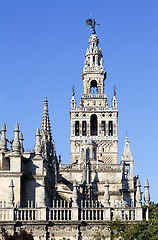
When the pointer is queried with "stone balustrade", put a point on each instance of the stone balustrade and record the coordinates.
(91, 211)
(25, 214)
(94, 96)
(90, 108)
(60, 211)
(124, 214)
(96, 166)
(63, 210)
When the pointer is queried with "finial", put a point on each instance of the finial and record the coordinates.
(4, 127)
(3, 141)
(38, 143)
(73, 90)
(126, 140)
(114, 88)
(16, 142)
(38, 132)
(21, 141)
(21, 136)
(138, 194)
(147, 194)
(92, 23)
(16, 127)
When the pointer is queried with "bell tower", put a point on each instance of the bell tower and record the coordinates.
(94, 119)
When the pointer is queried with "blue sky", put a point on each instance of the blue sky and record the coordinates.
(42, 48)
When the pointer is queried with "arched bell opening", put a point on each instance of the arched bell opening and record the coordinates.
(77, 128)
(94, 89)
(94, 125)
(110, 128)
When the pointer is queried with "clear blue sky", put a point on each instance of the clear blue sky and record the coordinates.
(42, 48)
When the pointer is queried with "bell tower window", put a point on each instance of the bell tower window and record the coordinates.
(94, 89)
(77, 128)
(93, 60)
(84, 128)
(93, 124)
(103, 126)
(110, 128)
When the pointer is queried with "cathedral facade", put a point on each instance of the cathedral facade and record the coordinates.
(58, 201)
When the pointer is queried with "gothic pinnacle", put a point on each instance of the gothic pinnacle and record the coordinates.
(138, 194)
(146, 194)
(45, 127)
(3, 142)
(38, 143)
(16, 142)
(21, 141)
(127, 155)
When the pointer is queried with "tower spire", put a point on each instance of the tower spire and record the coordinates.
(46, 137)
(93, 74)
(45, 127)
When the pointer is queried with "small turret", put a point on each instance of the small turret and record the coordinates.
(106, 195)
(3, 142)
(16, 142)
(127, 158)
(38, 149)
(147, 194)
(138, 194)
(127, 155)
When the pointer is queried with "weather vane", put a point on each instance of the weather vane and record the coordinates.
(73, 90)
(92, 23)
(114, 88)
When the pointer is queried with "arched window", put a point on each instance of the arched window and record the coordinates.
(94, 89)
(93, 124)
(84, 128)
(110, 128)
(77, 128)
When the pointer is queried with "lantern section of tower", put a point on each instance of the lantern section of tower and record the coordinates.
(94, 119)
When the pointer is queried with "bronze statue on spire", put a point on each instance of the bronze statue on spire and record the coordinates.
(92, 23)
